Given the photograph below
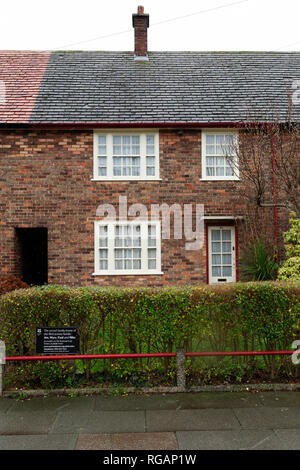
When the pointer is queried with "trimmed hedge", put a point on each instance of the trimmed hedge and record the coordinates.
(240, 316)
(290, 269)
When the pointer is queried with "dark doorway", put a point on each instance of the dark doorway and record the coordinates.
(33, 244)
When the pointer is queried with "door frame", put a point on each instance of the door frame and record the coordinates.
(234, 241)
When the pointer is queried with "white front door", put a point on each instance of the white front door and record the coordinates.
(221, 254)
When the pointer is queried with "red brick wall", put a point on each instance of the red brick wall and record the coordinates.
(45, 181)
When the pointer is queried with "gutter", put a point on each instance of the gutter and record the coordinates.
(124, 125)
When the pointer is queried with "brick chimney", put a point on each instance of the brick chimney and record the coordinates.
(140, 22)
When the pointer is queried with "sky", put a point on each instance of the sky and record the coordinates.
(189, 25)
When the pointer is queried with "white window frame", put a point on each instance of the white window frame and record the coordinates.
(143, 163)
(214, 279)
(204, 176)
(111, 271)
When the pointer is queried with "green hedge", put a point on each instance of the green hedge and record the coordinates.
(240, 316)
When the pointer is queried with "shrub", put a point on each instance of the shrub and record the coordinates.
(290, 270)
(240, 316)
(257, 263)
(10, 283)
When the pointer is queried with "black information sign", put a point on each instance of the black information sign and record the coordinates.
(61, 340)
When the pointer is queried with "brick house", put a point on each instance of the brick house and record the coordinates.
(81, 129)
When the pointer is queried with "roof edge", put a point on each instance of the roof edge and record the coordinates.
(93, 125)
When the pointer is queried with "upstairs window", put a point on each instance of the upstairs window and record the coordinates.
(126, 156)
(219, 161)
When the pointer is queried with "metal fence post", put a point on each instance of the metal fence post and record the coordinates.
(180, 362)
(2, 362)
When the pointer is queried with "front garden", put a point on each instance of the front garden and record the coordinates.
(232, 317)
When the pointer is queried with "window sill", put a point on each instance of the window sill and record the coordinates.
(126, 273)
(109, 180)
(216, 283)
(219, 179)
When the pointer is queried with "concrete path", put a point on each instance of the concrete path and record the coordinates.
(269, 420)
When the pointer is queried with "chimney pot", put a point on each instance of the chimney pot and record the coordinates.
(140, 22)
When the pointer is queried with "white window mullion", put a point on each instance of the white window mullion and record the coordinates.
(236, 168)
(111, 246)
(95, 163)
(158, 244)
(156, 143)
(96, 246)
(143, 156)
(144, 246)
(109, 156)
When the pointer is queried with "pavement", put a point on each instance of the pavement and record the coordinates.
(180, 421)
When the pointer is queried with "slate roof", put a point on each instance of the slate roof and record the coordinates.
(21, 73)
(172, 87)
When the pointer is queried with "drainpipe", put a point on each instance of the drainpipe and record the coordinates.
(275, 197)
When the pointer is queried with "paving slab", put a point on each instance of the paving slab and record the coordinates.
(177, 401)
(137, 402)
(38, 442)
(190, 420)
(128, 441)
(268, 417)
(52, 404)
(97, 422)
(290, 438)
(5, 404)
(229, 440)
(218, 400)
(280, 399)
(26, 423)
